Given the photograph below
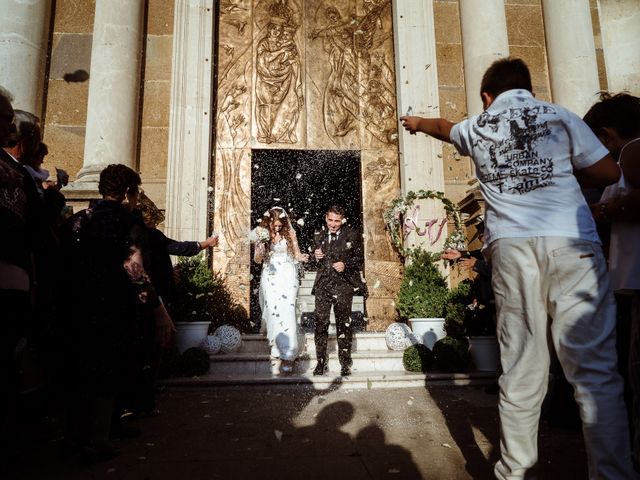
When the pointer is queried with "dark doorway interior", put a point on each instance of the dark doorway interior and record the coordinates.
(305, 183)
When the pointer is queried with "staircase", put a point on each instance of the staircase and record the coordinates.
(374, 365)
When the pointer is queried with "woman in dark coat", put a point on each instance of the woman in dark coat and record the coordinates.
(104, 247)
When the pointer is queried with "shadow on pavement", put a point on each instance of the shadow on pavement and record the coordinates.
(462, 419)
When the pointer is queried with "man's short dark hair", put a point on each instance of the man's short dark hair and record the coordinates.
(116, 180)
(337, 209)
(620, 112)
(29, 133)
(506, 74)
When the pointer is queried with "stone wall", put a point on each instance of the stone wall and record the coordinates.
(66, 100)
(238, 128)
(68, 85)
(526, 40)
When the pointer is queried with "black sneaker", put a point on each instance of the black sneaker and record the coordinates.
(345, 371)
(321, 369)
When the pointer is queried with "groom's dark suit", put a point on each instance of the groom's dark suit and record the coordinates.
(337, 289)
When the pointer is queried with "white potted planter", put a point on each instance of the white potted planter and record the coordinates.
(485, 353)
(190, 334)
(428, 330)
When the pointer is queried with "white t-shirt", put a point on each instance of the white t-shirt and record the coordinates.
(525, 151)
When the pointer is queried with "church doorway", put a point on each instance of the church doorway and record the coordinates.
(305, 183)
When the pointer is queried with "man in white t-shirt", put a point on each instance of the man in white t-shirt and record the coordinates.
(548, 273)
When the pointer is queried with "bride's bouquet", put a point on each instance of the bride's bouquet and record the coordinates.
(259, 235)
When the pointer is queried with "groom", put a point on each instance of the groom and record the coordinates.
(338, 251)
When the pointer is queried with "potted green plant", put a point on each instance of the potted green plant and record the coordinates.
(202, 303)
(468, 319)
(423, 296)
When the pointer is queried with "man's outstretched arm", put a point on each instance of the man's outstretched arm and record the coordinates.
(439, 128)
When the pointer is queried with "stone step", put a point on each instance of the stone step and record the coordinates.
(332, 381)
(307, 302)
(254, 343)
(362, 341)
(260, 363)
(308, 280)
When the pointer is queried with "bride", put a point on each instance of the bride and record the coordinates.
(278, 251)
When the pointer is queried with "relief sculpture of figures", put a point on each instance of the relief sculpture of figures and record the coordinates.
(349, 41)
(279, 93)
(340, 103)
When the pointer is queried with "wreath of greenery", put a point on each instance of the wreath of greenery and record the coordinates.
(394, 218)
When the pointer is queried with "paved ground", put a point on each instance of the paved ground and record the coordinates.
(290, 432)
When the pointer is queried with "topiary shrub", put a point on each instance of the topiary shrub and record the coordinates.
(457, 310)
(417, 358)
(451, 354)
(194, 362)
(423, 292)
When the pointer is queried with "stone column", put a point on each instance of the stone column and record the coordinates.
(417, 88)
(24, 36)
(114, 87)
(620, 30)
(479, 50)
(190, 120)
(571, 53)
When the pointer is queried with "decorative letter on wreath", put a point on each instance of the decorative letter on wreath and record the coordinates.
(400, 219)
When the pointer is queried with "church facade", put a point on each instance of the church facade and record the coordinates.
(229, 107)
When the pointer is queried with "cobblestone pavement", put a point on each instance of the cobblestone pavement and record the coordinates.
(290, 432)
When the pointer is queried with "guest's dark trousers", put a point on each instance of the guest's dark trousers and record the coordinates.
(14, 309)
(342, 303)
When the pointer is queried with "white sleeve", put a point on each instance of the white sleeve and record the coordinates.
(586, 149)
(459, 137)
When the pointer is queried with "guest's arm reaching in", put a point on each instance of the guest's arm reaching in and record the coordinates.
(439, 128)
(212, 242)
(189, 248)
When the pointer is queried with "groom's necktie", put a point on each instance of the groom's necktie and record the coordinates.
(332, 239)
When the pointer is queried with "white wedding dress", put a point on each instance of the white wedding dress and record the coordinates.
(277, 296)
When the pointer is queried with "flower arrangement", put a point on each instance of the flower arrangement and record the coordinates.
(259, 235)
(399, 223)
